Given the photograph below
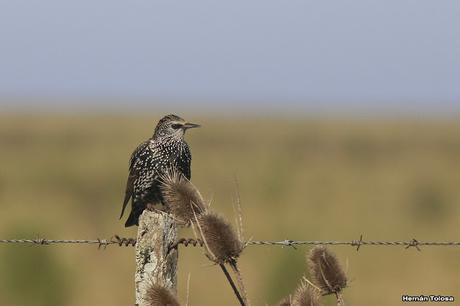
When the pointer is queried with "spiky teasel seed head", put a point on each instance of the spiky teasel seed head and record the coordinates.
(306, 295)
(182, 197)
(326, 270)
(220, 239)
(158, 295)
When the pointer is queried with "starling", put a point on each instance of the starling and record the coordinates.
(165, 151)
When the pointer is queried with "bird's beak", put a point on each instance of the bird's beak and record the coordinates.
(189, 125)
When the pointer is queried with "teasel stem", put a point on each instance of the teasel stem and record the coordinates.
(232, 284)
(340, 300)
(239, 278)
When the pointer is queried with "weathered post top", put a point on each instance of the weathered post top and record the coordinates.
(155, 263)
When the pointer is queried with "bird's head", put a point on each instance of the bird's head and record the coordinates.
(172, 126)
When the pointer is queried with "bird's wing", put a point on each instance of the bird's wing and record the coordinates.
(133, 174)
(188, 160)
(185, 161)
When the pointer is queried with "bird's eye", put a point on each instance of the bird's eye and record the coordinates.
(176, 126)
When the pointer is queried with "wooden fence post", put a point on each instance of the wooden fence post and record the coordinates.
(154, 265)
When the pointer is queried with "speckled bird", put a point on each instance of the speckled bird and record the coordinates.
(164, 151)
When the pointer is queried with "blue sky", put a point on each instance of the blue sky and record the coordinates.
(374, 55)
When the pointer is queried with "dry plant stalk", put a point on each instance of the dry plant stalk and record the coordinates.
(181, 197)
(286, 301)
(340, 300)
(238, 213)
(243, 301)
(326, 271)
(239, 278)
(158, 295)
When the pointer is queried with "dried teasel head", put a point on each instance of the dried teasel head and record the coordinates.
(158, 295)
(306, 295)
(220, 239)
(326, 270)
(183, 199)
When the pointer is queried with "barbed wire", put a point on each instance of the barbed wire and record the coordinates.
(102, 243)
(121, 241)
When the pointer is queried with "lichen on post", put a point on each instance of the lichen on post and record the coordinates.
(155, 263)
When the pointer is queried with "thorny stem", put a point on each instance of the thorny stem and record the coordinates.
(230, 280)
(340, 301)
(239, 278)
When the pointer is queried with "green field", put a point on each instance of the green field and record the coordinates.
(62, 176)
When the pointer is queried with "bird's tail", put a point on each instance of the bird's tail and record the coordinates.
(133, 218)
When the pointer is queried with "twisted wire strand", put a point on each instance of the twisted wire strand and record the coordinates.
(358, 243)
(121, 241)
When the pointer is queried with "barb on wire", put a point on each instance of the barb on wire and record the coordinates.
(121, 241)
(358, 242)
(413, 243)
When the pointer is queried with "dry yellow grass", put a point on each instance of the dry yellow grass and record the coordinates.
(63, 177)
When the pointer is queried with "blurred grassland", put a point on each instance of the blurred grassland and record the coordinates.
(62, 176)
